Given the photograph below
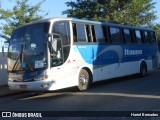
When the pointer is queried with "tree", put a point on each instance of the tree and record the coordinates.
(21, 13)
(129, 12)
(157, 29)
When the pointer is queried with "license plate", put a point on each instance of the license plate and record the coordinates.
(23, 86)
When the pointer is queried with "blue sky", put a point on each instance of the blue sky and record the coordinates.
(55, 7)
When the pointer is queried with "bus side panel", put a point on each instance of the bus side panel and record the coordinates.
(154, 55)
(67, 74)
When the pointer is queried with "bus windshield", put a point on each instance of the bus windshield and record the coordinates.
(28, 48)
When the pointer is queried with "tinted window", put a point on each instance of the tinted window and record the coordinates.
(138, 36)
(88, 33)
(59, 56)
(81, 33)
(115, 35)
(74, 32)
(66, 52)
(152, 37)
(31, 39)
(93, 33)
(105, 32)
(99, 34)
(62, 28)
(127, 36)
(146, 37)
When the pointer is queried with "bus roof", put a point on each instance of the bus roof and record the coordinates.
(111, 24)
(87, 22)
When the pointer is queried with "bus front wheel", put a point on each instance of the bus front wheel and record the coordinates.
(143, 69)
(83, 80)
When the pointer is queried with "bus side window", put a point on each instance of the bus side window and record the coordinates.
(99, 34)
(127, 36)
(146, 37)
(74, 32)
(93, 33)
(88, 33)
(138, 36)
(152, 37)
(81, 34)
(115, 35)
(142, 36)
(105, 32)
(62, 28)
(133, 36)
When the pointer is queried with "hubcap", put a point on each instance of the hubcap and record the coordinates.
(83, 79)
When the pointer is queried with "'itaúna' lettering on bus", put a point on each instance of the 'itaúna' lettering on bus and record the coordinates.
(132, 52)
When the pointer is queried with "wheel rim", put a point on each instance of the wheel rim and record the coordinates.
(83, 79)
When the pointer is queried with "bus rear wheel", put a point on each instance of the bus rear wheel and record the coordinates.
(83, 80)
(143, 69)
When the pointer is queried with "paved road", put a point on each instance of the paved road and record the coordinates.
(122, 94)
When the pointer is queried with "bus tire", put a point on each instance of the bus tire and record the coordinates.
(83, 80)
(143, 69)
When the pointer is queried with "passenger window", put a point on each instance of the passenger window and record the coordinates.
(93, 33)
(127, 36)
(146, 37)
(138, 36)
(66, 51)
(105, 32)
(74, 32)
(152, 37)
(88, 33)
(115, 35)
(99, 34)
(57, 55)
(62, 28)
(81, 33)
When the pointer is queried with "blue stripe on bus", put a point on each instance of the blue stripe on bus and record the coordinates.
(110, 54)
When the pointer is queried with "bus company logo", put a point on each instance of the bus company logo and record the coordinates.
(6, 114)
(132, 52)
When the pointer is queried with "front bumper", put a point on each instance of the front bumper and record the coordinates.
(31, 86)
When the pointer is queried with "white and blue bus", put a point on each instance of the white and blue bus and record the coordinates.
(58, 53)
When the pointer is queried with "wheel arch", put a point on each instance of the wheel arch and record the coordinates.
(143, 61)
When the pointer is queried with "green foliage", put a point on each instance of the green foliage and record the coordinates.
(21, 13)
(128, 12)
(157, 29)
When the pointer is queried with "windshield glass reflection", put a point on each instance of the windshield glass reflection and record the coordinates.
(28, 48)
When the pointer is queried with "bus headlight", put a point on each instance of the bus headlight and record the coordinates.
(41, 77)
(15, 76)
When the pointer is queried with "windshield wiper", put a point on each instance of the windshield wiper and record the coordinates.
(20, 55)
(20, 58)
